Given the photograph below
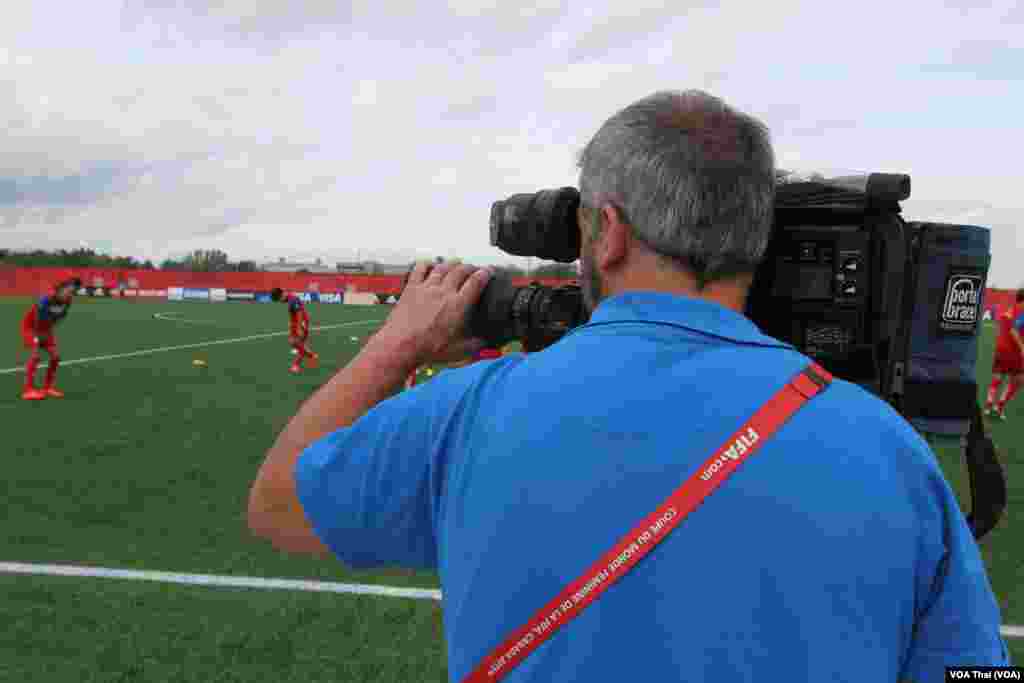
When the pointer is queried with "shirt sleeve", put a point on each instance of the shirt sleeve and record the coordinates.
(957, 616)
(43, 310)
(372, 491)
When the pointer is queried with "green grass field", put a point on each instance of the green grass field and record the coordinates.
(146, 464)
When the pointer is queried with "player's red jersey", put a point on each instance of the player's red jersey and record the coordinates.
(1011, 319)
(298, 317)
(43, 316)
(1008, 360)
(28, 323)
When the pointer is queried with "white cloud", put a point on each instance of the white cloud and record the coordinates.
(391, 127)
(586, 76)
(446, 176)
(365, 93)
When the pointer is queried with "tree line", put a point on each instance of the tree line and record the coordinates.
(75, 258)
(208, 260)
(200, 260)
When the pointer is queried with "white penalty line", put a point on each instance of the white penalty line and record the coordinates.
(261, 583)
(218, 581)
(198, 345)
(1012, 631)
(169, 317)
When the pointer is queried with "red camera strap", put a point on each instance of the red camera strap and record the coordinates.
(654, 528)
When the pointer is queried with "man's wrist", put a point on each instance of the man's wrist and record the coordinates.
(392, 351)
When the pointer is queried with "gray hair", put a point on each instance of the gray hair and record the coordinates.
(694, 178)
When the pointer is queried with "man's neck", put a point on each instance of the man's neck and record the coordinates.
(730, 294)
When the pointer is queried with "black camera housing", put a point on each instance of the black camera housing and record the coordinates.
(832, 278)
(889, 305)
(829, 284)
(536, 315)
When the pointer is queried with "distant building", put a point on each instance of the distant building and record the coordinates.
(370, 268)
(387, 269)
(284, 266)
(353, 267)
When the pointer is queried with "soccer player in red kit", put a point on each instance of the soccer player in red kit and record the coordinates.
(1008, 360)
(298, 329)
(37, 332)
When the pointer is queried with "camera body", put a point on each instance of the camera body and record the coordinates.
(832, 278)
(893, 306)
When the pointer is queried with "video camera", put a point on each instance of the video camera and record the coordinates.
(893, 306)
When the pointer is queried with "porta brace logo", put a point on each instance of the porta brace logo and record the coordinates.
(961, 304)
(739, 448)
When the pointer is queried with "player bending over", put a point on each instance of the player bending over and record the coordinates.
(298, 329)
(1008, 360)
(37, 331)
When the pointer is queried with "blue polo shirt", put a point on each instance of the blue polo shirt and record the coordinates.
(837, 553)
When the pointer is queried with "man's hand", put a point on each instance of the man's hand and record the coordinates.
(429, 320)
(427, 326)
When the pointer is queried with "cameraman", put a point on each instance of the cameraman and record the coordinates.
(838, 552)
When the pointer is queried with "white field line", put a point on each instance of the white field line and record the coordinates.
(198, 345)
(217, 581)
(261, 583)
(169, 317)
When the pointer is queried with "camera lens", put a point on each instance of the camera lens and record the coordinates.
(542, 224)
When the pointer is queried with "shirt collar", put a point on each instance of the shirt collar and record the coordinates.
(697, 315)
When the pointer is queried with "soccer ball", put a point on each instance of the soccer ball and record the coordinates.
(199, 363)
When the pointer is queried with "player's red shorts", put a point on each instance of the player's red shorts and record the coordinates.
(48, 344)
(1007, 364)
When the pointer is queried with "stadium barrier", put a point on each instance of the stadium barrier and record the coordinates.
(196, 294)
(361, 299)
(38, 281)
(171, 285)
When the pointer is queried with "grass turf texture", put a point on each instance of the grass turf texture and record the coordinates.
(146, 464)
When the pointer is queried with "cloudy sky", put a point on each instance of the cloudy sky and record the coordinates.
(385, 129)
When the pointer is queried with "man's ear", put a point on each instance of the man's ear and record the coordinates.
(611, 247)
